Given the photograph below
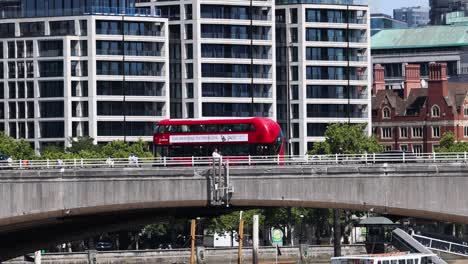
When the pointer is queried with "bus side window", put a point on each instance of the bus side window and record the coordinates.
(211, 128)
(409, 261)
(416, 261)
(386, 262)
(379, 262)
(401, 261)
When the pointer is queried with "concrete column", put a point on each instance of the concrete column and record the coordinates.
(255, 240)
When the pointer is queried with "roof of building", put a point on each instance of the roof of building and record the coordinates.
(422, 37)
(417, 99)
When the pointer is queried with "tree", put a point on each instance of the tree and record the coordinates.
(16, 149)
(346, 139)
(447, 144)
(120, 149)
(82, 144)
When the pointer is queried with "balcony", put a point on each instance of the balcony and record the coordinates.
(235, 35)
(236, 75)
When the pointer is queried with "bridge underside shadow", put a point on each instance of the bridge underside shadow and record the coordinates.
(26, 238)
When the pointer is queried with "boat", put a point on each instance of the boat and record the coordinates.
(388, 258)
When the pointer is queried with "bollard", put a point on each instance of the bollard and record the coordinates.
(200, 255)
(92, 256)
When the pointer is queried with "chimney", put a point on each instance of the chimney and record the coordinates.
(379, 79)
(438, 84)
(412, 78)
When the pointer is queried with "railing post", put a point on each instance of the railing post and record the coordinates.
(373, 157)
(464, 157)
(250, 160)
(336, 158)
(403, 157)
(193, 161)
(20, 164)
(48, 163)
(74, 163)
(307, 158)
(434, 156)
(164, 161)
(278, 156)
(365, 157)
(81, 162)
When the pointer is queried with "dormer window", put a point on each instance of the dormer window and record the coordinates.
(435, 111)
(386, 113)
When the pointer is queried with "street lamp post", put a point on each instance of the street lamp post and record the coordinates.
(301, 237)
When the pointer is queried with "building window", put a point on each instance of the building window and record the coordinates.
(386, 113)
(386, 132)
(435, 111)
(466, 131)
(417, 132)
(404, 148)
(403, 132)
(417, 149)
(387, 147)
(466, 110)
(435, 132)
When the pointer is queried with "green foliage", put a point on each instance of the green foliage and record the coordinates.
(17, 149)
(230, 222)
(120, 149)
(82, 144)
(448, 144)
(346, 139)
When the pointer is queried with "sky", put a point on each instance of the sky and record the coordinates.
(387, 6)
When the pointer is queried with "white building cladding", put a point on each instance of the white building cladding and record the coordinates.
(64, 77)
(210, 58)
(329, 67)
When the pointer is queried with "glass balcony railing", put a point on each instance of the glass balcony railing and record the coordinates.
(236, 75)
(333, 114)
(151, 53)
(235, 55)
(328, 2)
(235, 35)
(85, 10)
(239, 16)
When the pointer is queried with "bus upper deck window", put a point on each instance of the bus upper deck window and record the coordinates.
(409, 261)
(401, 261)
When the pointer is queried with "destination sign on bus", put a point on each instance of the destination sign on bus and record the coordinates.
(173, 139)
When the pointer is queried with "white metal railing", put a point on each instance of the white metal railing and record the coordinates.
(441, 245)
(335, 159)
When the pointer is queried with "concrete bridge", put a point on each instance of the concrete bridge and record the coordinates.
(48, 206)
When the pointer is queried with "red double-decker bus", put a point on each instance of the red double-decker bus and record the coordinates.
(232, 137)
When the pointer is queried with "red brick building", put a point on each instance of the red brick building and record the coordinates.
(415, 118)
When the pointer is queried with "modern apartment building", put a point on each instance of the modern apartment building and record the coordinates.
(414, 16)
(222, 63)
(381, 22)
(323, 67)
(440, 9)
(83, 71)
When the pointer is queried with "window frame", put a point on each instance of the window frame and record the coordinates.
(436, 131)
(385, 111)
(413, 134)
(435, 107)
(406, 132)
(386, 133)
